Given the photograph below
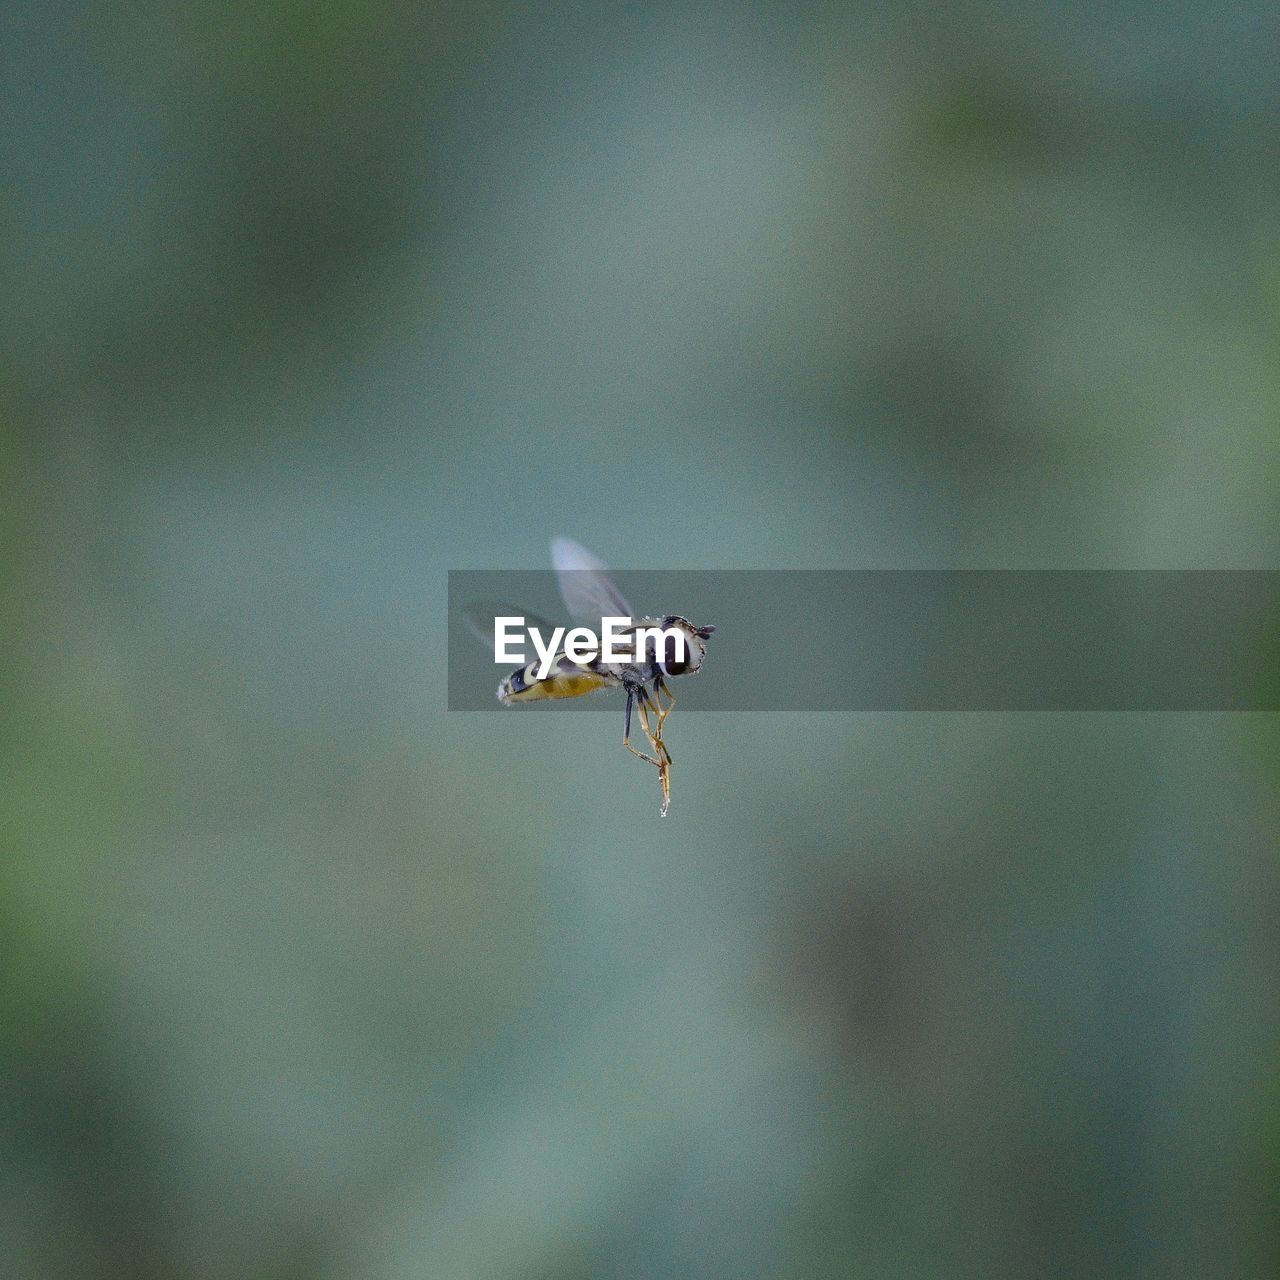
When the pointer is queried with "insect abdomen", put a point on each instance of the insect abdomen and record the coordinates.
(565, 680)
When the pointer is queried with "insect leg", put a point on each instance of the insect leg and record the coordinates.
(663, 712)
(659, 688)
(653, 732)
(626, 735)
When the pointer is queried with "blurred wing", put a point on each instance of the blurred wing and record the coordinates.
(479, 619)
(588, 593)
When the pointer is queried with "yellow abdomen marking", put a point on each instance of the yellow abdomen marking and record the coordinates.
(565, 680)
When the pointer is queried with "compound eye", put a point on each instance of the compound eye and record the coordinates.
(671, 664)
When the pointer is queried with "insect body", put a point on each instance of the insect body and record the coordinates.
(566, 679)
(591, 596)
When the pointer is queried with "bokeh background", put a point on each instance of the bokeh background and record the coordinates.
(302, 305)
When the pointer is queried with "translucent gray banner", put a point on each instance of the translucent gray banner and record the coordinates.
(929, 640)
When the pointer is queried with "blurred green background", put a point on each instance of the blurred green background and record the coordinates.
(301, 306)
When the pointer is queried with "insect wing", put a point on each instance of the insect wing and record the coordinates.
(480, 617)
(588, 592)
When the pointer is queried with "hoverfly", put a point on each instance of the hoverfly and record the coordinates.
(590, 596)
